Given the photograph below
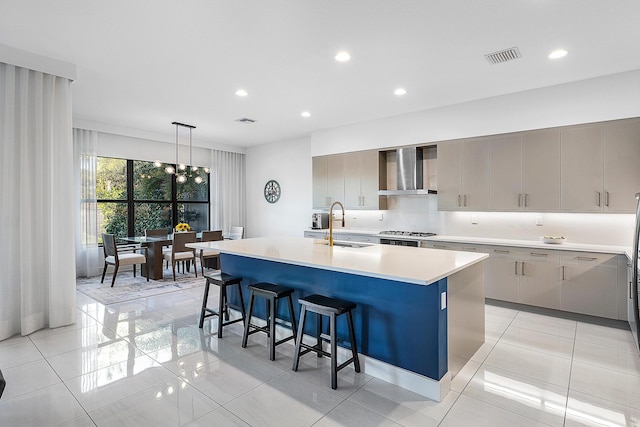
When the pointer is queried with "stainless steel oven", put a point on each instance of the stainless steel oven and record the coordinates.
(400, 242)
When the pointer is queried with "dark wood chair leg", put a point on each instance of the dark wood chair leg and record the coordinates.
(272, 329)
(221, 304)
(352, 337)
(334, 351)
(318, 335)
(205, 297)
(293, 319)
(248, 321)
(104, 271)
(113, 280)
(296, 353)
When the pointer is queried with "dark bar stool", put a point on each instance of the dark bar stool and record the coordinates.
(331, 307)
(223, 280)
(272, 293)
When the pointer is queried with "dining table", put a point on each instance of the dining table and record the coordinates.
(154, 245)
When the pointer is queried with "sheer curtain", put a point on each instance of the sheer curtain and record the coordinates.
(227, 190)
(85, 147)
(37, 277)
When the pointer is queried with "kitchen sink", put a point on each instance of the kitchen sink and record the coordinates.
(350, 244)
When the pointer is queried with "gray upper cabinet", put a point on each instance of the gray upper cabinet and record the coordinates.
(506, 172)
(463, 169)
(621, 165)
(449, 176)
(328, 180)
(541, 170)
(583, 168)
(365, 174)
(600, 166)
(320, 174)
(351, 178)
(525, 171)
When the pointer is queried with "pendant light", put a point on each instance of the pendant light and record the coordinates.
(182, 169)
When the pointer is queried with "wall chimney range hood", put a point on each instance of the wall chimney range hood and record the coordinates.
(410, 174)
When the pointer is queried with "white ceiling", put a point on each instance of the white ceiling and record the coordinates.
(142, 64)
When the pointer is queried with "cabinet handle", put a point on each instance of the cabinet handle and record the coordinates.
(606, 198)
(597, 198)
(563, 275)
(439, 246)
(465, 199)
(516, 268)
(526, 199)
(586, 258)
(498, 251)
(630, 293)
(520, 200)
(459, 197)
(538, 254)
(522, 268)
(469, 249)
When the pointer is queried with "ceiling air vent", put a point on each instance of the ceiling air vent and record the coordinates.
(503, 55)
(245, 120)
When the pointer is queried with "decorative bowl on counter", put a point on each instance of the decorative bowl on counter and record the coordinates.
(553, 240)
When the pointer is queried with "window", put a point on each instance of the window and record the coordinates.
(135, 195)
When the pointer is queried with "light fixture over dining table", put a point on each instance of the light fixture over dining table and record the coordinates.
(183, 171)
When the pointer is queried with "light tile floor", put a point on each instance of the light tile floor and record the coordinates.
(146, 363)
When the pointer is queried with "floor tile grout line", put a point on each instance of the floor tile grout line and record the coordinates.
(566, 402)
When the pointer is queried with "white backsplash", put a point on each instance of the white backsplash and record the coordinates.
(419, 213)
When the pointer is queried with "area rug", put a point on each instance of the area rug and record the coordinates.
(128, 288)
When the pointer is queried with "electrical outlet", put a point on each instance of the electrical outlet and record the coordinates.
(539, 220)
(474, 219)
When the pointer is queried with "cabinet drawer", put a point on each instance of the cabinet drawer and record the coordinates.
(437, 245)
(540, 255)
(588, 258)
(502, 251)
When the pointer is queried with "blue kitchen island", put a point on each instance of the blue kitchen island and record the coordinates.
(420, 314)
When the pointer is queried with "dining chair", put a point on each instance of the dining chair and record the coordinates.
(236, 233)
(179, 252)
(124, 255)
(209, 236)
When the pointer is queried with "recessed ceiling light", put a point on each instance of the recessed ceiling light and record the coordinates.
(343, 56)
(558, 53)
(241, 92)
(305, 114)
(400, 91)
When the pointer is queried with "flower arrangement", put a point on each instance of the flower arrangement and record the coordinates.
(183, 226)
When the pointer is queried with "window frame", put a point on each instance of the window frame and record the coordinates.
(130, 201)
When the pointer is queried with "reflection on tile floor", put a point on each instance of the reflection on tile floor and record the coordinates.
(146, 362)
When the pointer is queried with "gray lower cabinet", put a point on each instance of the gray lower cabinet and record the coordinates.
(578, 282)
(589, 284)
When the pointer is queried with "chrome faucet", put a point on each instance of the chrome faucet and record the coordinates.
(331, 221)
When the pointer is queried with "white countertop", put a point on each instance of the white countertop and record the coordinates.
(567, 246)
(412, 265)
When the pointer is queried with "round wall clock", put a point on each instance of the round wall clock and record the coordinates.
(272, 191)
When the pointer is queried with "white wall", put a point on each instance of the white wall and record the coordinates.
(126, 147)
(289, 163)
